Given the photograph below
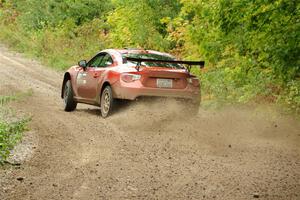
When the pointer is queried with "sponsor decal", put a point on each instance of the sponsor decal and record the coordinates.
(80, 78)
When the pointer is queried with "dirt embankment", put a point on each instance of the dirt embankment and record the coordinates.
(146, 150)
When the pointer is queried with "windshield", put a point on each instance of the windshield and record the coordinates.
(152, 64)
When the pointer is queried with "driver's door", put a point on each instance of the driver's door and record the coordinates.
(87, 80)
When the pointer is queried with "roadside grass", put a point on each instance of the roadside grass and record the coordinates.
(14, 97)
(223, 86)
(11, 126)
(55, 47)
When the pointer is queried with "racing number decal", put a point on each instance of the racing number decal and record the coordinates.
(81, 78)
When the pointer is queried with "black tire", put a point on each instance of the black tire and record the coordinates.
(195, 105)
(106, 102)
(69, 103)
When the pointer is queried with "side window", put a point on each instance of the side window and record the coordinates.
(95, 62)
(106, 61)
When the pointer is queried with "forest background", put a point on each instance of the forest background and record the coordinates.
(251, 47)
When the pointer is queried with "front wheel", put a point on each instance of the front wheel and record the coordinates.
(69, 103)
(106, 101)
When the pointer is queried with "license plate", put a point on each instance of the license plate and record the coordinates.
(164, 83)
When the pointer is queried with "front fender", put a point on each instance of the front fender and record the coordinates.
(70, 75)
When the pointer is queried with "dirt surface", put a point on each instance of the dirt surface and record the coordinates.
(146, 150)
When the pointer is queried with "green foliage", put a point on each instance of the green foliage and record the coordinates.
(10, 135)
(265, 31)
(138, 23)
(291, 97)
(11, 128)
(36, 14)
(7, 98)
(251, 47)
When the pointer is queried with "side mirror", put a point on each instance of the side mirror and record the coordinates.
(82, 64)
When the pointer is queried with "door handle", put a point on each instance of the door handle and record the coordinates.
(96, 75)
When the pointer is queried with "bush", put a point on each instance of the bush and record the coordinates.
(290, 98)
(11, 127)
(10, 135)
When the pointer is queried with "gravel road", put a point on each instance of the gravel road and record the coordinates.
(145, 150)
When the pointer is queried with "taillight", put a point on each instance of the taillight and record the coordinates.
(193, 81)
(130, 77)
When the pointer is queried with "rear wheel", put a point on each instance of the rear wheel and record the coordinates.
(69, 103)
(194, 109)
(106, 101)
(191, 107)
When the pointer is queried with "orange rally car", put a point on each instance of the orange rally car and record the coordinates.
(129, 74)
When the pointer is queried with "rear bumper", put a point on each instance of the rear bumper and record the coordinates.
(131, 91)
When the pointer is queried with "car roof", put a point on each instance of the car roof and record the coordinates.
(117, 53)
(136, 51)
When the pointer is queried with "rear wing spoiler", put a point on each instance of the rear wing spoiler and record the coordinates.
(188, 63)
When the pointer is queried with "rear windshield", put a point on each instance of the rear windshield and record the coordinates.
(152, 64)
